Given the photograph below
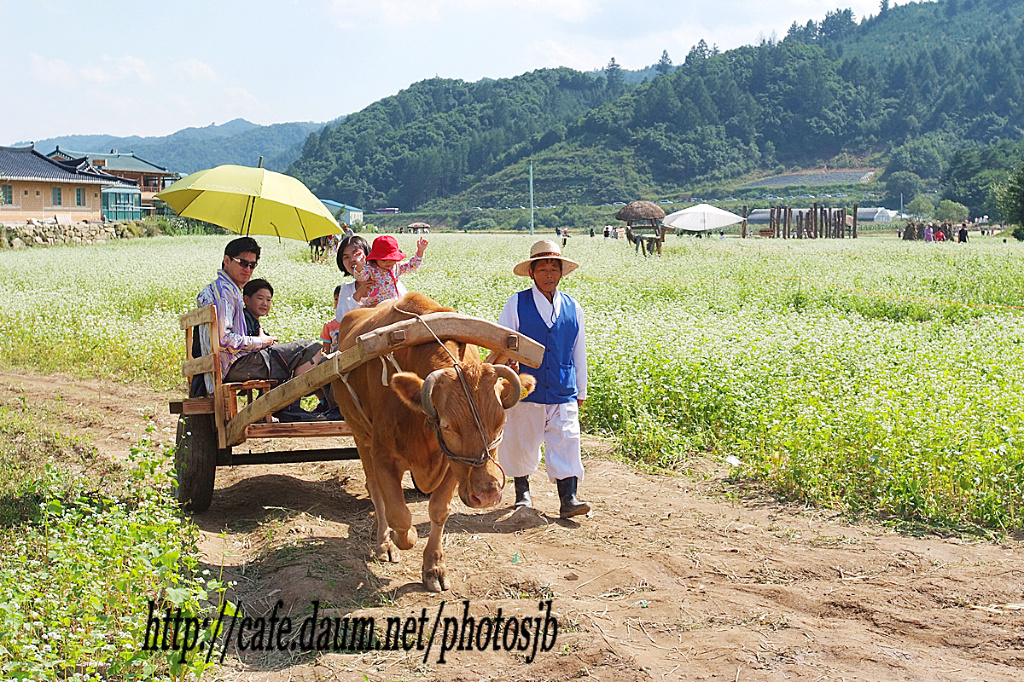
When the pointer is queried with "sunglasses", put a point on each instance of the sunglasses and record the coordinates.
(251, 264)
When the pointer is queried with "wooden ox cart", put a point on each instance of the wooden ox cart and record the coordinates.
(210, 427)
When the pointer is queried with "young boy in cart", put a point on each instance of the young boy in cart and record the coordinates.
(245, 357)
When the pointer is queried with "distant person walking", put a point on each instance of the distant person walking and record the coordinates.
(961, 235)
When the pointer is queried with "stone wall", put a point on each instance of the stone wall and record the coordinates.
(37, 233)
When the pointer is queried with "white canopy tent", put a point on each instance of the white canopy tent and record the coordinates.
(701, 217)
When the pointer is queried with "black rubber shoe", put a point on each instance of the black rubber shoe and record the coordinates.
(523, 498)
(567, 494)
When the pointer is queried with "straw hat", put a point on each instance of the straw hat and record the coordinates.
(542, 250)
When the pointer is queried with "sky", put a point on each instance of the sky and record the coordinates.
(152, 68)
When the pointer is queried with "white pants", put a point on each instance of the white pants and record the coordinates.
(529, 425)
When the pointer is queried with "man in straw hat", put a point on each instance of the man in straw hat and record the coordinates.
(550, 414)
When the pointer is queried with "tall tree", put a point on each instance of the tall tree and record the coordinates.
(1011, 197)
(951, 211)
(664, 65)
(613, 76)
(901, 187)
(922, 206)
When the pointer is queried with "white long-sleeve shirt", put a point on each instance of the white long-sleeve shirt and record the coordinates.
(549, 312)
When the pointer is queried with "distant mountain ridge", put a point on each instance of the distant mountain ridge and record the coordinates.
(191, 149)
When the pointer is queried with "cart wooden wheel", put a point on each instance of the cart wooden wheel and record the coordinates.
(195, 460)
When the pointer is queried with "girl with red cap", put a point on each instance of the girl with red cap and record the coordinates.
(384, 266)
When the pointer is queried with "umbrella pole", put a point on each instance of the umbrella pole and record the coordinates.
(249, 205)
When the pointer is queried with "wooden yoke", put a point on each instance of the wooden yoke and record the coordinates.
(448, 327)
(381, 342)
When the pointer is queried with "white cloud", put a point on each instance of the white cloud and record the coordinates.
(57, 72)
(128, 66)
(197, 69)
(94, 74)
(240, 97)
(562, 53)
(53, 72)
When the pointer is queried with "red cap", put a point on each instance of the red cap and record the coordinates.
(385, 248)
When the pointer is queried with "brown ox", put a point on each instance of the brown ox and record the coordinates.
(394, 434)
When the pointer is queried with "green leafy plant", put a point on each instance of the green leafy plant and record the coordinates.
(80, 564)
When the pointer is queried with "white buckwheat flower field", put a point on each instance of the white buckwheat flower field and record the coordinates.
(871, 375)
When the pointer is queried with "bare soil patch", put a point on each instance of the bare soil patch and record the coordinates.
(672, 578)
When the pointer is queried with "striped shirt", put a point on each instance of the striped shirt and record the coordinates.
(225, 295)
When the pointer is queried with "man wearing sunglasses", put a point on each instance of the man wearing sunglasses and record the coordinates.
(245, 357)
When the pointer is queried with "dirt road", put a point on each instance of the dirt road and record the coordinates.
(674, 577)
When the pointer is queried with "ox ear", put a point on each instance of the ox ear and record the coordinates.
(408, 387)
(529, 383)
(509, 382)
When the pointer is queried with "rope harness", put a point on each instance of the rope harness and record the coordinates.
(432, 418)
(383, 381)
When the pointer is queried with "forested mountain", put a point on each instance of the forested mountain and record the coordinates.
(440, 136)
(238, 141)
(916, 84)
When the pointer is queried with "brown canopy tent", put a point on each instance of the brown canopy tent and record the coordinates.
(645, 215)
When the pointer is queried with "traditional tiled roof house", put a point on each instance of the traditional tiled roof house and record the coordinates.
(149, 177)
(35, 187)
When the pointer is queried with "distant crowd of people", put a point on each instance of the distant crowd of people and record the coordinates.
(930, 232)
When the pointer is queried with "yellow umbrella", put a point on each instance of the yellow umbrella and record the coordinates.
(251, 201)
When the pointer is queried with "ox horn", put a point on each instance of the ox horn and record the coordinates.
(428, 387)
(516, 387)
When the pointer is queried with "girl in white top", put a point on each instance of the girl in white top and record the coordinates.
(352, 250)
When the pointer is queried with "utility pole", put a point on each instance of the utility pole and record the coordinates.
(531, 198)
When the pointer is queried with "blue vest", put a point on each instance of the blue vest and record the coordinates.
(556, 377)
